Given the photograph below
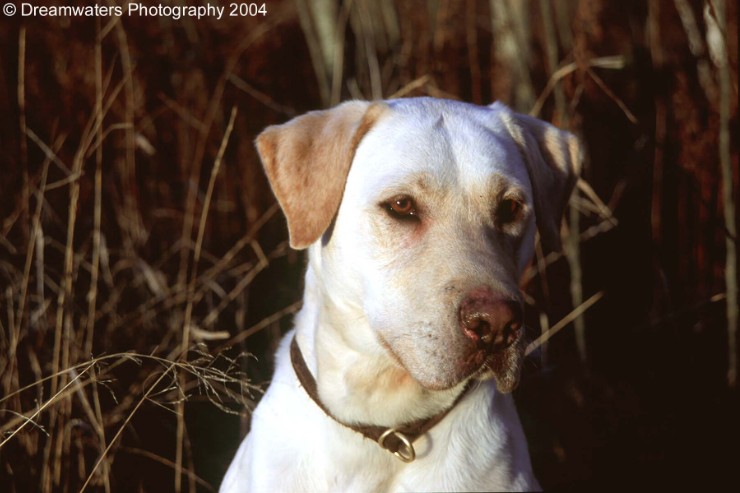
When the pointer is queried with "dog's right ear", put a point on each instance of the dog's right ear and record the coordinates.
(307, 160)
(553, 159)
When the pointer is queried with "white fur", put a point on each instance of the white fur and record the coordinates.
(372, 285)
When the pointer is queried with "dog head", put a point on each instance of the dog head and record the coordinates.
(421, 216)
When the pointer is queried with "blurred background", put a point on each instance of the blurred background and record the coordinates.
(145, 276)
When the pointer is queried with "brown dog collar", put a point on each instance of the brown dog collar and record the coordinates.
(397, 440)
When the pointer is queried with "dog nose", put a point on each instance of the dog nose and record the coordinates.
(489, 319)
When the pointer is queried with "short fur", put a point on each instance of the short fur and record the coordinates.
(380, 326)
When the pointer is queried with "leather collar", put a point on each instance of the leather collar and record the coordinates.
(397, 440)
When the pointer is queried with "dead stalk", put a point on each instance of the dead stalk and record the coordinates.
(168, 463)
(191, 288)
(59, 394)
(21, 94)
(720, 57)
(125, 424)
(96, 416)
(337, 71)
(134, 224)
(370, 48)
(264, 323)
(471, 37)
(546, 335)
(314, 48)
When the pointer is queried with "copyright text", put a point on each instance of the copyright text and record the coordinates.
(174, 12)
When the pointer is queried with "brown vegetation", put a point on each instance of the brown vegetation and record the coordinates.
(145, 275)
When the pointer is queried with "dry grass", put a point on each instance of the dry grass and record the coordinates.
(138, 235)
(87, 275)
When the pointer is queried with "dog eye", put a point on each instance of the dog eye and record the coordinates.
(509, 211)
(402, 207)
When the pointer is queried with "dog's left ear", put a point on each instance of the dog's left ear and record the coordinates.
(307, 160)
(553, 159)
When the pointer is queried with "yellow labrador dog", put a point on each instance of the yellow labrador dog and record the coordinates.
(419, 216)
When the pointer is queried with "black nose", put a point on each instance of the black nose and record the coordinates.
(490, 319)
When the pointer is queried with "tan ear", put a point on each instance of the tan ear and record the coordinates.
(307, 160)
(553, 159)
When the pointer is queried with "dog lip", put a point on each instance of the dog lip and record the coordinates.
(477, 363)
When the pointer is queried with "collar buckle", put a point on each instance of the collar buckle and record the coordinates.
(403, 448)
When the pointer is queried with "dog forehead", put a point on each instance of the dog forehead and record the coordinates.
(445, 143)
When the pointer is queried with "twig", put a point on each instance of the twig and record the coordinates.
(210, 116)
(541, 266)
(545, 336)
(716, 28)
(618, 101)
(194, 276)
(241, 285)
(369, 45)
(266, 322)
(696, 45)
(51, 155)
(124, 424)
(260, 96)
(314, 49)
(46, 404)
(134, 223)
(123, 356)
(184, 114)
(471, 38)
(604, 211)
(95, 267)
(337, 71)
(201, 231)
(35, 231)
(411, 86)
(21, 93)
(511, 28)
(607, 62)
(63, 321)
(168, 463)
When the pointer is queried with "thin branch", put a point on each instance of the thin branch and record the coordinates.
(545, 336)
(191, 288)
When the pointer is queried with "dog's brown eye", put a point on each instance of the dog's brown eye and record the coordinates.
(402, 207)
(508, 211)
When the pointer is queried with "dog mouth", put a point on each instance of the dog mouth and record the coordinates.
(500, 363)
